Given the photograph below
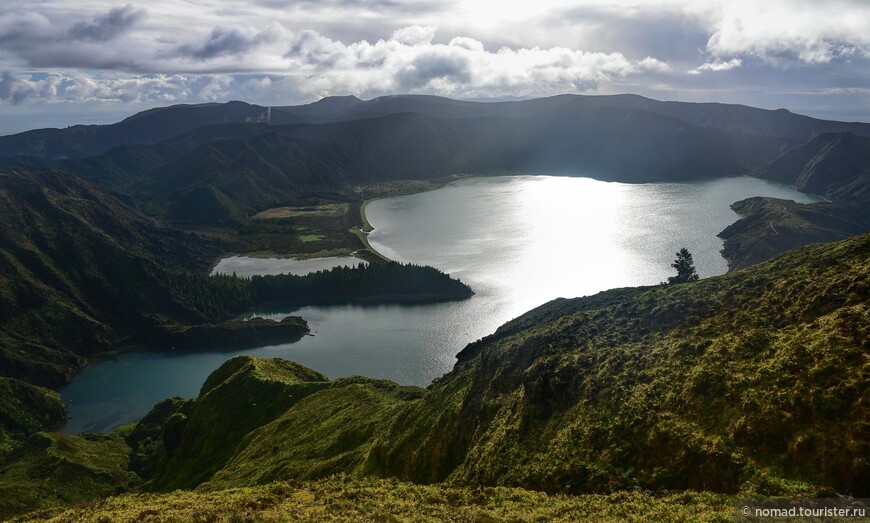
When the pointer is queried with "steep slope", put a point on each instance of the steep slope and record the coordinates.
(78, 269)
(601, 142)
(770, 226)
(24, 410)
(394, 146)
(146, 127)
(755, 381)
(224, 180)
(751, 380)
(55, 469)
(241, 395)
(836, 166)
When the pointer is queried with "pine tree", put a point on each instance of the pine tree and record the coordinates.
(685, 268)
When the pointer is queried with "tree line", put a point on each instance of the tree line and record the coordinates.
(219, 296)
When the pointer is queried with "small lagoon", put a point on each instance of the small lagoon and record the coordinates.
(245, 266)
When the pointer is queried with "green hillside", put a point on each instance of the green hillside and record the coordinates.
(79, 270)
(345, 500)
(82, 273)
(770, 226)
(755, 382)
(835, 165)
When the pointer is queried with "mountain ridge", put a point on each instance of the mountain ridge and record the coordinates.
(158, 124)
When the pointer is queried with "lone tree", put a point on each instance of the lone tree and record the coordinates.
(685, 268)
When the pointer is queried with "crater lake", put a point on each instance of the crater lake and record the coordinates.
(518, 241)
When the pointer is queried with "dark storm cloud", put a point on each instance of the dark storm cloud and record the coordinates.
(430, 66)
(637, 31)
(40, 40)
(107, 26)
(312, 48)
(7, 85)
(85, 56)
(222, 42)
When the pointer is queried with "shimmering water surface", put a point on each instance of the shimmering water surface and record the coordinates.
(519, 241)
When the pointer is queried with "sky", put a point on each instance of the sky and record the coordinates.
(97, 61)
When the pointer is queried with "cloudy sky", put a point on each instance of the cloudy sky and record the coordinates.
(96, 61)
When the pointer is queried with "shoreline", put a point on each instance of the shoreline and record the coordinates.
(363, 231)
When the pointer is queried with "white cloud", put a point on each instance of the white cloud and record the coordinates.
(414, 35)
(780, 30)
(717, 66)
(309, 63)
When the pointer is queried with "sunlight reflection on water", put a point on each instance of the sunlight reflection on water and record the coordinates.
(519, 241)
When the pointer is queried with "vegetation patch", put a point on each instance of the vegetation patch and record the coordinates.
(343, 499)
(55, 469)
(255, 332)
(771, 226)
(331, 210)
(308, 238)
(25, 409)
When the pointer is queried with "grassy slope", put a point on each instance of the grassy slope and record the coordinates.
(56, 469)
(757, 380)
(242, 394)
(770, 226)
(753, 382)
(340, 499)
(78, 269)
(25, 409)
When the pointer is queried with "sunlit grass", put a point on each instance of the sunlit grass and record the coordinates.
(340, 499)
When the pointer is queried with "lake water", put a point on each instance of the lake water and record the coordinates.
(519, 241)
(245, 266)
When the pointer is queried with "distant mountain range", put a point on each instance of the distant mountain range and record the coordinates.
(740, 126)
(216, 164)
(155, 125)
